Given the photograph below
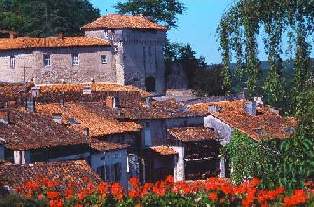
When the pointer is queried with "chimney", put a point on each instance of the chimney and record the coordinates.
(213, 108)
(57, 117)
(30, 105)
(4, 117)
(61, 35)
(35, 91)
(148, 102)
(259, 101)
(274, 110)
(87, 90)
(250, 108)
(13, 35)
(86, 132)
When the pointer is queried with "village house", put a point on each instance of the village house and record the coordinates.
(127, 50)
(13, 176)
(252, 118)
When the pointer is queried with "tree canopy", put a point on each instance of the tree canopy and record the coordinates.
(275, 21)
(46, 17)
(161, 11)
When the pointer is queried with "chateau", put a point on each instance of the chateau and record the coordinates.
(127, 50)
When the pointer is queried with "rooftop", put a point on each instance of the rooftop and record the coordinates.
(102, 146)
(265, 125)
(13, 91)
(27, 131)
(50, 42)
(163, 150)
(159, 110)
(117, 21)
(66, 172)
(95, 116)
(193, 134)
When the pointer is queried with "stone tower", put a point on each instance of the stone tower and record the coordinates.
(138, 49)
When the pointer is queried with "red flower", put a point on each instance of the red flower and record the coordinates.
(213, 196)
(56, 203)
(40, 197)
(52, 195)
(117, 191)
(297, 198)
(103, 189)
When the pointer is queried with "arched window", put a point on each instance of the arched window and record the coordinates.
(150, 84)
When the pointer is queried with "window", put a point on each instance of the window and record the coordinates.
(116, 172)
(101, 172)
(47, 60)
(104, 59)
(12, 62)
(75, 59)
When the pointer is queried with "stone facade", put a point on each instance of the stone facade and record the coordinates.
(139, 56)
(30, 64)
(110, 163)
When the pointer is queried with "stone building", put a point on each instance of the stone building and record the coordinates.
(127, 50)
(139, 49)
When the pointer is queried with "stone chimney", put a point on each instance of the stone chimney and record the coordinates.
(148, 102)
(213, 108)
(250, 108)
(35, 91)
(5, 117)
(259, 101)
(57, 117)
(13, 35)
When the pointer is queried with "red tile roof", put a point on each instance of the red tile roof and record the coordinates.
(95, 116)
(117, 21)
(163, 150)
(50, 42)
(265, 125)
(14, 91)
(27, 131)
(193, 134)
(66, 172)
(103, 146)
(159, 110)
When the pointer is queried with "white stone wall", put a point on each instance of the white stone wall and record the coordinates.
(179, 173)
(223, 129)
(22, 157)
(29, 64)
(111, 158)
(138, 55)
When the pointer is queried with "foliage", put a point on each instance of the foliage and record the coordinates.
(161, 11)
(239, 29)
(212, 192)
(46, 17)
(250, 159)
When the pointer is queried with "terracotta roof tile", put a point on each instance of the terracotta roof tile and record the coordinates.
(265, 125)
(27, 131)
(163, 150)
(103, 146)
(159, 110)
(14, 91)
(116, 21)
(63, 172)
(95, 116)
(50, 42)
(193, 134)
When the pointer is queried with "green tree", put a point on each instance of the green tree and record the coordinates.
(161, 11)
(46, 17)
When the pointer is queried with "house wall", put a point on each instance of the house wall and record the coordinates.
(138, 55)
(22, 157)
(223, 129)
(110, 158)
(158, 128)
(1, 152)
(29, 63)
(179, 174)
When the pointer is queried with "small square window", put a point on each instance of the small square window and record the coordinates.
(47, 60)
(12, 62)
(104, 59)
(75, 59)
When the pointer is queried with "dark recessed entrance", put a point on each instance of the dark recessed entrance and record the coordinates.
(150, 84)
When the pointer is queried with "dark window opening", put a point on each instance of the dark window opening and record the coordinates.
(150, 84)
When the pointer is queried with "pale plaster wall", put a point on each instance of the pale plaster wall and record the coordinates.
(29, 64)
(111, 158)
(223, 129)
(179, 172)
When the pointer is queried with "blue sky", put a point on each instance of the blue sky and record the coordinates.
(196, 26)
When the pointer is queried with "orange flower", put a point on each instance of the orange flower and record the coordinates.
(297, 198)
(117, 191)
(56, 203)
(103, 189)
(52, 195)
(213, 196)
